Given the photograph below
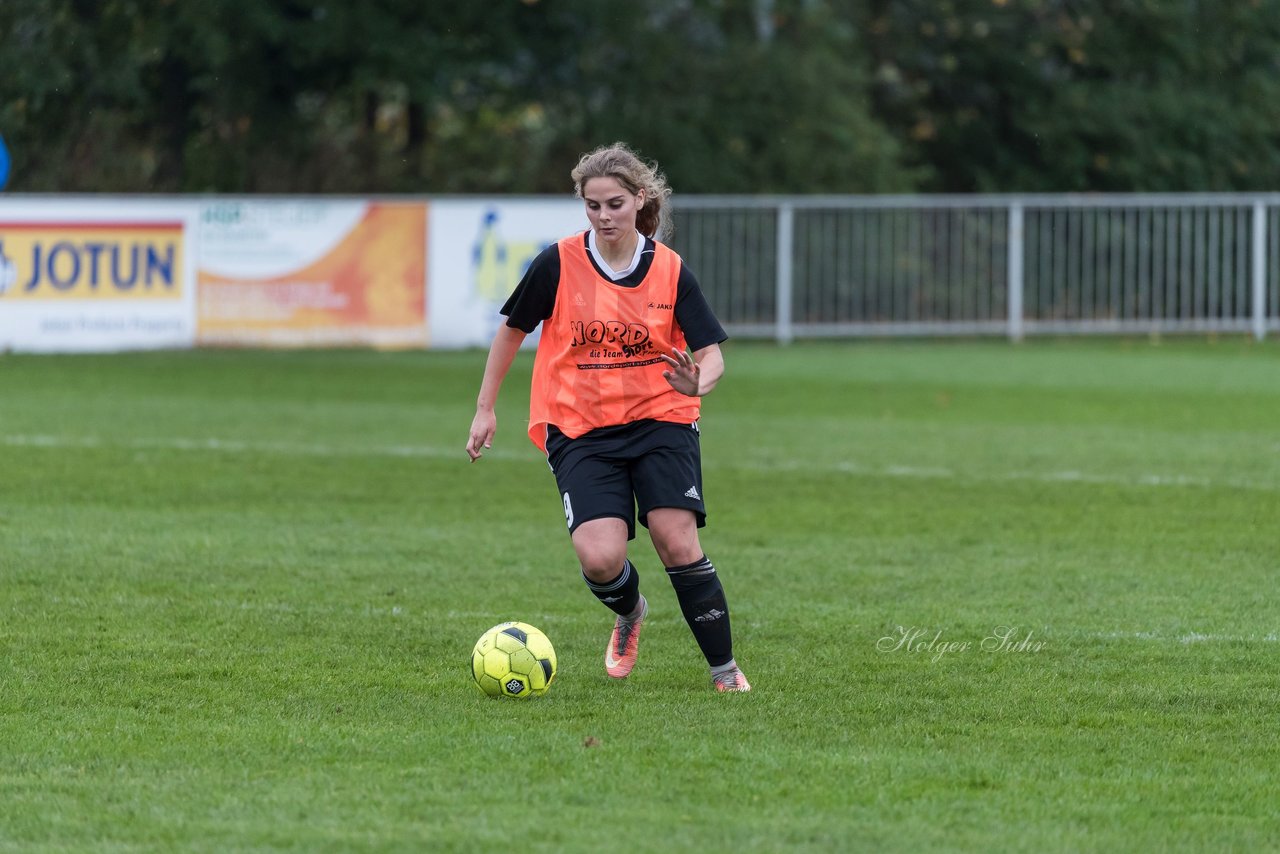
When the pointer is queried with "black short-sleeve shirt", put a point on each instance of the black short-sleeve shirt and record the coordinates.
(534, 298)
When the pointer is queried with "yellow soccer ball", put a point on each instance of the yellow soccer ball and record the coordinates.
(513, 660)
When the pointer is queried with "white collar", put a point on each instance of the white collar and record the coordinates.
(613, 274)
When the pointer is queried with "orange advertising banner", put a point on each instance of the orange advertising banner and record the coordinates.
(301, 273)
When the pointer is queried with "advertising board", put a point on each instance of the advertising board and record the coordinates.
(303, 272)
(479, 251)
(80, 275)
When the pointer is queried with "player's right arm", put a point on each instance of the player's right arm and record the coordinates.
(532, 302)
(501, 354)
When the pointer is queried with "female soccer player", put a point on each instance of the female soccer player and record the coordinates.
(615, 401)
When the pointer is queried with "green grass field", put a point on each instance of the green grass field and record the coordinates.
(238, 593)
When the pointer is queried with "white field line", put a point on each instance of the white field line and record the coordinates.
(441, 452)
(1187, 637)
(237, 446)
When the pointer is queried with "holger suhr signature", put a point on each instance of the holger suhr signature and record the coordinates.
(922, 641)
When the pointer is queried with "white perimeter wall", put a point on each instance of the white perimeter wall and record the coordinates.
(475, 250)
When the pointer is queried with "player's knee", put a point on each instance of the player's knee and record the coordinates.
(675, 537)
(679, 553)
(601, 570)
(601, 546)
(601, 560)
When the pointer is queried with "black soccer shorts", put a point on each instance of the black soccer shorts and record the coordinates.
(613, 471)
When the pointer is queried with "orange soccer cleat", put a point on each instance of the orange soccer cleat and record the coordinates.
(731, 680)
(624, 643)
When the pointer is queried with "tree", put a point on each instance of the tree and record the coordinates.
(731, 96)
(1081, 95)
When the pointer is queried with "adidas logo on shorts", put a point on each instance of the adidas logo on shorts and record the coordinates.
(692, 492)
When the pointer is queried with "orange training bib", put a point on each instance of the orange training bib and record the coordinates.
(598, 359)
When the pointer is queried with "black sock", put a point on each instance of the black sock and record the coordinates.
(622, 594)
(704, 607)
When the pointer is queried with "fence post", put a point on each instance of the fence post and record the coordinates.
(1014, 300)
(782, 310)
(1259, 270)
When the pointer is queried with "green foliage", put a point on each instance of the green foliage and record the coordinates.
(728, 110)
(732, 96)
(1086, 95)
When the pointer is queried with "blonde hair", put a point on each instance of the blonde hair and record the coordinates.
(620, 162)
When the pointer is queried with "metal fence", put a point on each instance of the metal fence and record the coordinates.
(787, 267)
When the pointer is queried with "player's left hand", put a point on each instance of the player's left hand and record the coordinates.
(685, 375)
